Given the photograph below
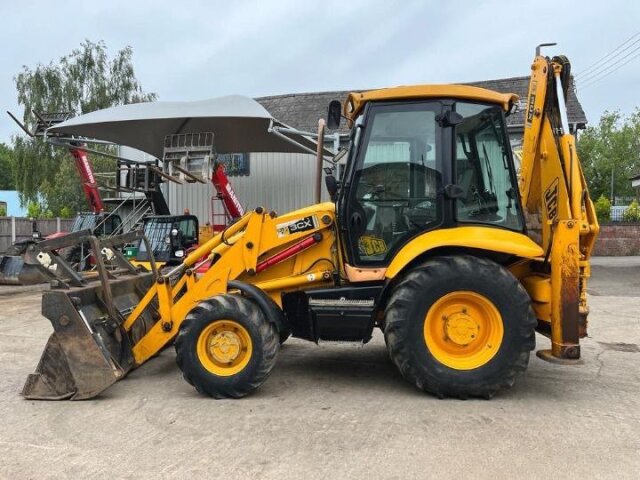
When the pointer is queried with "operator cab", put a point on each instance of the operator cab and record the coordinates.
(416, 166)
(102, 224)
(170, 237)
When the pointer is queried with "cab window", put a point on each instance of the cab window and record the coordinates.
(482, 168)
(394, 193)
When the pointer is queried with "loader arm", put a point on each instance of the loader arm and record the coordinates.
(552, 184)
(275, 254)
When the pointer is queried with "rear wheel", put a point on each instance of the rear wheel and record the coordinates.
(226, 348)
(460, 326)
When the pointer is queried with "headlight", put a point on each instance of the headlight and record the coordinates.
(179, 253)
(174, 232)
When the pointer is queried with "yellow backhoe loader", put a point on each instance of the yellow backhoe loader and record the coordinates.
(426, 240)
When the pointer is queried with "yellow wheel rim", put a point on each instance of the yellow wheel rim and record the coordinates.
(463, 330)
(224, 347)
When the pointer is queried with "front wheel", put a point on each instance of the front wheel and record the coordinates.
(226, 347)
(460, 326)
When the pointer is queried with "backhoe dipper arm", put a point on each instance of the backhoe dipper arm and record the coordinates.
(552, 184)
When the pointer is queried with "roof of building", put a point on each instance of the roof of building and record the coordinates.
(302, 110)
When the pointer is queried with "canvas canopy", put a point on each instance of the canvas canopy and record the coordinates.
(240, 125)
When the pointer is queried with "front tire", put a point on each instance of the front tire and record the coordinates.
(226, 347)
(460, 326)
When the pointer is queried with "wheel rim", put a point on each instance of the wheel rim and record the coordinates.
(224, 347)
(463, 330)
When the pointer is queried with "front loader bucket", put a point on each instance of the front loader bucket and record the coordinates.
(88, 350)
(13, 271)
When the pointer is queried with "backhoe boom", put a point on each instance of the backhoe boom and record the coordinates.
(552, 185)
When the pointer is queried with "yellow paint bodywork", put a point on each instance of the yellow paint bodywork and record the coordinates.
(552, 184)
(224, 348)
(463, 330)
(238, 251)
(356, 100)
(485, 238)
(146, 265)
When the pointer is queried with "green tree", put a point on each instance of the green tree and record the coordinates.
(3, 211)
(7, 170)
(611, 148)
(85, 80)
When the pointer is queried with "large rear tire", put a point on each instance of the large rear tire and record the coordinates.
(460, 326)
(226, 347)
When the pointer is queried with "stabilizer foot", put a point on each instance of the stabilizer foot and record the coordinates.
(547, 356)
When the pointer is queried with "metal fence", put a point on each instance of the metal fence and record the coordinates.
(617, 213)
(13, 229)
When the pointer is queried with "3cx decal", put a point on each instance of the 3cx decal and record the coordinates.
(297, 226)
(551, 200)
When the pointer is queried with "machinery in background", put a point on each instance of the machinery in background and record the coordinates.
(171, 237)
(225, 195)
(131, 178)
(13, 270)
(191, 158)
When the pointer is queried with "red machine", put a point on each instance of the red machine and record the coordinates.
(225, 194)
(89, 184)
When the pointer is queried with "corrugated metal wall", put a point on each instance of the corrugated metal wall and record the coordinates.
(277, 181)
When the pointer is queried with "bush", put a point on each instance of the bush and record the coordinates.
(66, 212)
(3, 211)
(632, 214)
(603, 209)
(34, 210)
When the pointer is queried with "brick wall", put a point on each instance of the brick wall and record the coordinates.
(615, 239)
(618, 240)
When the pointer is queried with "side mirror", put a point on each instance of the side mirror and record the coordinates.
(332, 186)
(334, 115)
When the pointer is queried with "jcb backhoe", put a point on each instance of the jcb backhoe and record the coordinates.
(426, 240)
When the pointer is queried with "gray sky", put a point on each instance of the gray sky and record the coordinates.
(189, 50)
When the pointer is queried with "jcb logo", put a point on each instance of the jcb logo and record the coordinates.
(551, 200)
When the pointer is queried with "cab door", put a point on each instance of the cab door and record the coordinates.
(392, 194)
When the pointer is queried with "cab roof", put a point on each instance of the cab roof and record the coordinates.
(356, 100)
